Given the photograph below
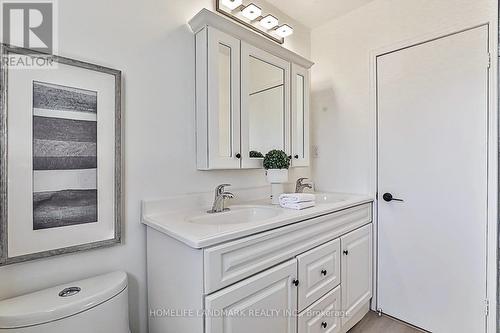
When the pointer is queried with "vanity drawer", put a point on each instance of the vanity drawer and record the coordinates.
(234, 261)
(323, 316)
(319, 272)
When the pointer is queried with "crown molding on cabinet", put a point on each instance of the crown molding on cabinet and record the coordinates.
(206, 18)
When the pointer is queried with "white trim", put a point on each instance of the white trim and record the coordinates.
(492, 224)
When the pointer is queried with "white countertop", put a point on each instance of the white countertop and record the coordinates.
(172, 216)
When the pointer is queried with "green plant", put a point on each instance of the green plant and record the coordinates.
(256, 154)
(276, 159)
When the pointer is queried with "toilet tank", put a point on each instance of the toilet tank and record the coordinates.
(97, 305)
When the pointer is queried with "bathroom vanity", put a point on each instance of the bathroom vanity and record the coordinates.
(258, 268)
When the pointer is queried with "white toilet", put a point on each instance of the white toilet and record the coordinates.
(97, 305)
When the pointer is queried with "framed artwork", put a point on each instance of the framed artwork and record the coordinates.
(60, 158)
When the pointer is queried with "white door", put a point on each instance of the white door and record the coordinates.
(263, 303)
(432, 145)
(356, 271)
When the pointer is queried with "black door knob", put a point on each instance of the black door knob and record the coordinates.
(296, 157)
(324, 272)
(346, 252)
(324, 324)
(295, 283)
(238, 155)
(389, 197)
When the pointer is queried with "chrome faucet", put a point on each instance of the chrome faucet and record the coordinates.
(220, 199)
(300, 185)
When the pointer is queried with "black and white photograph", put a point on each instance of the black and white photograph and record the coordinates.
(64, 156)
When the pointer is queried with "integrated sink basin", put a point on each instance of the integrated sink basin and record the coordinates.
(237, 215)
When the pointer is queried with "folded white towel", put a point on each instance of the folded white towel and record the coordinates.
(298, 205)
(296, 197)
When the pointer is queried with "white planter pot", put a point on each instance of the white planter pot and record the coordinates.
(277, 176)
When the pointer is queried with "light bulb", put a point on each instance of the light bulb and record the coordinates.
(269, 22)
(232, 4)
(284, 31)
(251, 12)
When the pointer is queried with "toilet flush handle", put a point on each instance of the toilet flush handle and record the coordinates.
(71, 291)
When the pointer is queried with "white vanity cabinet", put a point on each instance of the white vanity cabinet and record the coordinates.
(300, 277)
(252, 96)
(319, 272)
(242, 308)
(356, 271)
(317, 319)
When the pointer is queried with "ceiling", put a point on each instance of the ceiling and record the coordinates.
(313, 13)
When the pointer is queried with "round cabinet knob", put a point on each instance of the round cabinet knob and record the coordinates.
(324, 324)
(238, 155)
(324, 272)
(346, 252)
(295, 282)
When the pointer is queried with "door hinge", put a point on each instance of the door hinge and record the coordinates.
(489, 60)
(487, 308)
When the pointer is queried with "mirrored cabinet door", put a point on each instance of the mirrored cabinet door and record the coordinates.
(223, 99)
(300, 116)
(265, 105)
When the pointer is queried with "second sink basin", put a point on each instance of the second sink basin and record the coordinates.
(237, 215)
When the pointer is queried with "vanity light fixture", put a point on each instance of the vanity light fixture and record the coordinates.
(284, 30)
(251, 12)
(269, 22)
(232, 4)
(251, 16)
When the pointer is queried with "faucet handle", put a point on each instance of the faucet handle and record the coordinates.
(220, 189)
(300, 180)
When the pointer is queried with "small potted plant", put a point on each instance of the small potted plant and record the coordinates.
(276, 163)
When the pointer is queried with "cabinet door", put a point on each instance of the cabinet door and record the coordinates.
(265, 105)
(356, 270)
(263, 303)
(300, 116)
(217, 100)
(319, 272)
(323, 316)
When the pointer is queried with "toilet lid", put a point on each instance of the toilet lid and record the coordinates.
(59, 302)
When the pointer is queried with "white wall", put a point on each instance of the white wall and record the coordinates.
(341, 112)
(151, 43)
